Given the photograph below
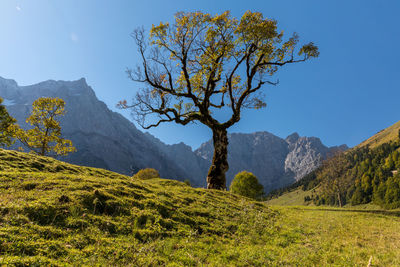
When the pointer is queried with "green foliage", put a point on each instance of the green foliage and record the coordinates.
(202, 63)
(246, 184)
(45, 136)
(334, 178)
(147, 173)
(363, 175)
(366, 175)
(5, 122)
(197, 58)
(66, 215)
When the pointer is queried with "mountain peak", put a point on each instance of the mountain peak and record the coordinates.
(82, 82)
(292, 138)
(7, 82)
(8, 88)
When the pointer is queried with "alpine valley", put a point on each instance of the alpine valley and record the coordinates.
(106, 139)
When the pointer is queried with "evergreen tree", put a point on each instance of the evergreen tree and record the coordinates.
(363, 175)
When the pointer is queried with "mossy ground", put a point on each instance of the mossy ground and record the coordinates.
(53, 213)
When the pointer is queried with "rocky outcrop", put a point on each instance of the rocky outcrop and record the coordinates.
(275, 161)
(306, 154)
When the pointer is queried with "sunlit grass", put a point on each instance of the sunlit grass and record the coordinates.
(86, 216)
(385, 136)
(293, 198)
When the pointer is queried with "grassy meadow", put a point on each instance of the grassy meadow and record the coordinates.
(56, 214)
(382, 137)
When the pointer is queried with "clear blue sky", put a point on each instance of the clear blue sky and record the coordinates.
(346, 95)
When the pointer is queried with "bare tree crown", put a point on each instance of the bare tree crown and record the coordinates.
(203, 63)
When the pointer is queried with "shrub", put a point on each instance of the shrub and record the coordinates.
(187, 182)
(246, 184)
(147, 173)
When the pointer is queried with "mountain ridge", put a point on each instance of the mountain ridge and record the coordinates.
(106, 139)
(276, 162)
(388, 134)
(98, 132)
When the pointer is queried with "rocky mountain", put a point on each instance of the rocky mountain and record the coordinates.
(306, 154)
(374, 168)
(103, 138)
(106, 139)
(275, 161)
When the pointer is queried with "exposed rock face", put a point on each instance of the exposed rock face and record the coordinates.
(305, 155)
(103, 138)
(275, 161)
(106, 139)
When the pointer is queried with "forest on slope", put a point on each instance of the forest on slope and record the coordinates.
(368, 173)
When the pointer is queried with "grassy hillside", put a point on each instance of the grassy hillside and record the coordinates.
(294, 197)
(53, 213)
(386, 135)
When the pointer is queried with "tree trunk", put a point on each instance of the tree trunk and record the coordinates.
(216, 175)
(340, 199)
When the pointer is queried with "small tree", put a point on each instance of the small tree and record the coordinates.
(203, 63)
(147, 173)
(246, 184)
(334, 177)
(5, 122)
(45, 136)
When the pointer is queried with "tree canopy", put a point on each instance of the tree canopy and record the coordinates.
(45, 136)
(202, 63)
(246, 184)
(147, 173)
(5, 122)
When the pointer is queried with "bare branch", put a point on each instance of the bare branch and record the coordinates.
(182, 71)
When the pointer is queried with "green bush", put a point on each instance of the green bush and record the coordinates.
(246, 184)
(147, 173)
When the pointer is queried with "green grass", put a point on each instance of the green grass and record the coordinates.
(296, 197)
(384, 136)
(292, 198)
(53, 213)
